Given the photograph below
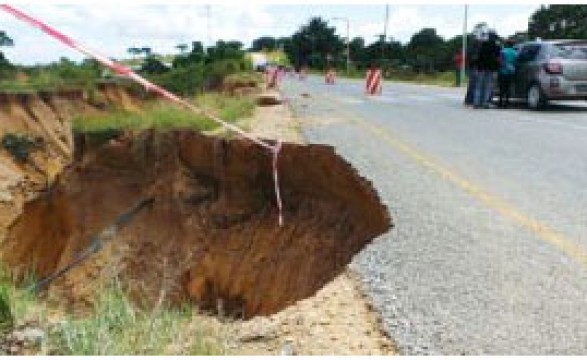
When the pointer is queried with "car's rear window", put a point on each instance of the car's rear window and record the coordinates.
(571, 51)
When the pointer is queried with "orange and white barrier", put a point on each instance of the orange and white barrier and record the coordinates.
(330, 77)
(272, 78)
(373, 82)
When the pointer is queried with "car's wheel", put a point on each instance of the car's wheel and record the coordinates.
(536, 98)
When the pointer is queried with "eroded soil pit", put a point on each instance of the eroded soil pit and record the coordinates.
(211, 234)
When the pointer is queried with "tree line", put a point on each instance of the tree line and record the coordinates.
(316, 45)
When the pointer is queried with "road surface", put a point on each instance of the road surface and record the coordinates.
(489, 250)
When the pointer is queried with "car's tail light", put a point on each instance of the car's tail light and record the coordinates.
(553, 68)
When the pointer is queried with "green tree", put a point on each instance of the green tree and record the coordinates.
(147, 51)
(559, 22)
(5, 40)
(385, 53)
(197, 48)
(6, 69)
(357, 49)
(426, 50)
(267, 43)
(182, 48)
(134, 51)
(314, 44)
(196, 56)
(152, 65)
(225, 50)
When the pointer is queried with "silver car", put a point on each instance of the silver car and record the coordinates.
(550, 70)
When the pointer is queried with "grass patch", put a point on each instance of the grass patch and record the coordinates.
(446, 79)
(18, 305)
(167, 116)
(118, 328)
(114, 326)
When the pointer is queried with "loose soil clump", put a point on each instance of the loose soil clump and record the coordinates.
(211, 234)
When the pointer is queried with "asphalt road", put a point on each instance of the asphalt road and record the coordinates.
(489, 250)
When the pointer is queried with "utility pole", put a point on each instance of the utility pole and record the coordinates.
(384, 33)
(463, 68)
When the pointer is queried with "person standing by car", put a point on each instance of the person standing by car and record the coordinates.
(507, 70)
(487, 66)
(471, 68)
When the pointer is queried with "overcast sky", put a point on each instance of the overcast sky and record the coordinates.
(112, 28)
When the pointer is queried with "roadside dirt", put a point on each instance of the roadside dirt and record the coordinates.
(338, 320)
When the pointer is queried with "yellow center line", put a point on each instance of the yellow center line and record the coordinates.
(507, 210)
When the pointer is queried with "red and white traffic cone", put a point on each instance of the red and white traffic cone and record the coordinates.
(330, 77)
(373, 81)
(272, 78)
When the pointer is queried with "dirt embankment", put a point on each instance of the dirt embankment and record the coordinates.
(211, 234)
(46, 117)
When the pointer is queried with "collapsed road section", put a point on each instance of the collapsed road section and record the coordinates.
(210, 233)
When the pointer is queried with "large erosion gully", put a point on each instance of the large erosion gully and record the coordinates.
(211, 233)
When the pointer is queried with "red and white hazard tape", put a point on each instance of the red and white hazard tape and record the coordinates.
(126, 71)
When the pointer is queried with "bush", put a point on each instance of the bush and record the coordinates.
(153, 65)
(58, 75)
(241, 80)
(188, 80)
(194, 78)
(216, 72)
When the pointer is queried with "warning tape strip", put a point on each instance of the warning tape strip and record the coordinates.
(150, 87)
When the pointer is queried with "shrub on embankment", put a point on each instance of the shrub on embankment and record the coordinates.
(189, 74)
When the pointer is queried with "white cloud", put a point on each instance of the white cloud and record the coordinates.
(112, 28)
(405, 21)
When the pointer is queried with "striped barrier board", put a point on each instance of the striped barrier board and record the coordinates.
(272, 78)
(330, 77)
(373, 82)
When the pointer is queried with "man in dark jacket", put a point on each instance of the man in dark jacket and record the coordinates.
(471, 67)
(487, 66)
